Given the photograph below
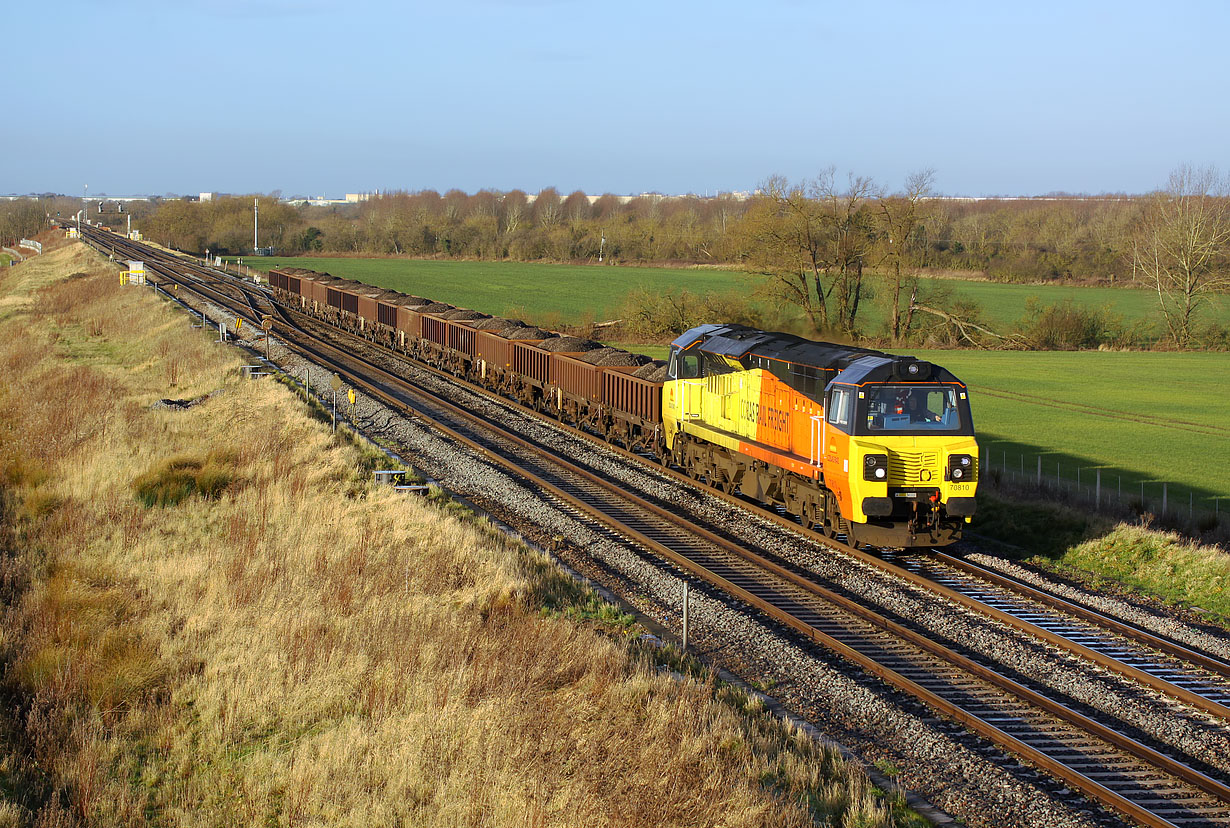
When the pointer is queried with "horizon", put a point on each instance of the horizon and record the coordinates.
(280, 196)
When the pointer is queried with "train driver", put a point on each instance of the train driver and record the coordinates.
(916, 406)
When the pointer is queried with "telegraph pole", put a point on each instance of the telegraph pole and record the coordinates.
(255, 224)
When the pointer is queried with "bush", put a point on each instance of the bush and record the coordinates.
(654, 315)
(182, 476)
(1067, 326)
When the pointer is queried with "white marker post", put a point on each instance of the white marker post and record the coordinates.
(335, 383)
(685, 616)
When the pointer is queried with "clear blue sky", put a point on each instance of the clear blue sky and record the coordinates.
(329, 96)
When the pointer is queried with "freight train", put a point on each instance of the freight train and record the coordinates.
(855, 442)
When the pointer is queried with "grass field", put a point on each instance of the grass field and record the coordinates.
(1142, 416)
(212, 617)
(538, 291)
(546, 292)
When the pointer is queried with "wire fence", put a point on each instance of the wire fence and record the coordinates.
(238, 268)
(1104, 491)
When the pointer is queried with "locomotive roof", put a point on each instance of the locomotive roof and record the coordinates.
(856, 365)
(737, 341)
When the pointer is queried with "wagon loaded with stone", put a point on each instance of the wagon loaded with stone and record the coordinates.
(608, 391)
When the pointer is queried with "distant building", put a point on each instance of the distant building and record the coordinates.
(355, 198)
(208, 196)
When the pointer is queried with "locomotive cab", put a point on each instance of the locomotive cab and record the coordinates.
(910, 461)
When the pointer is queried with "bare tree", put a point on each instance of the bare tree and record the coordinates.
(21, 218)
(783, 235)
(1181, 248)
(515, 209)
(850, 239)
(812, 239)
(547, 209)
(575, 208)
(901, 216)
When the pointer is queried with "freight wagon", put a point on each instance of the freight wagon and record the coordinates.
(875, 447)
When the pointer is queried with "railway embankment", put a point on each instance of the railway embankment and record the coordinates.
(1132, 561)
(208, 610)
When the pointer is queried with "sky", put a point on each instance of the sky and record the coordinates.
(324, 97)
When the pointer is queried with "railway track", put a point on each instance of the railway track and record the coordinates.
(1147, 785)
(1199, 673)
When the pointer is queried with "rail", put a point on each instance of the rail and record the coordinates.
(758, 581)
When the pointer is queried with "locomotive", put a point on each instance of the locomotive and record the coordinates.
(855, 442)
(876, 447)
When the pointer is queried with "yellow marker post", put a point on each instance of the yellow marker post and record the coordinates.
(350, 396)
(238, 323)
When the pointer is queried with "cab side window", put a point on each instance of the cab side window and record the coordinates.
(839, 408)
(689, 366)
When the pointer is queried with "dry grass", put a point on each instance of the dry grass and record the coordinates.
(297, 647)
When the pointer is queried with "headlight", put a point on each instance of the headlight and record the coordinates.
(875, 467)
(960, 467)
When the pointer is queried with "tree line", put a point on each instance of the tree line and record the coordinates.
(23, 218)
(825, 246)
(818, 244)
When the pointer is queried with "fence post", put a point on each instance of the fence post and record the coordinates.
(1039, 469)
(685, 616)
(1097, 490)
(1164, 498)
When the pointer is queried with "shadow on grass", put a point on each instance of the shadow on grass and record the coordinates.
(1034, 502)
(1083, 482)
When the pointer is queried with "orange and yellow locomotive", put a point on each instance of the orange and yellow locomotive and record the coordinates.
(876, 447)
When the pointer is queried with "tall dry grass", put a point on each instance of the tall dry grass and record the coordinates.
(295, 647)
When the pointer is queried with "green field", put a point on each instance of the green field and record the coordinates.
(1140, 416)
(1003, 304)
(546, 293)
(553, 294)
